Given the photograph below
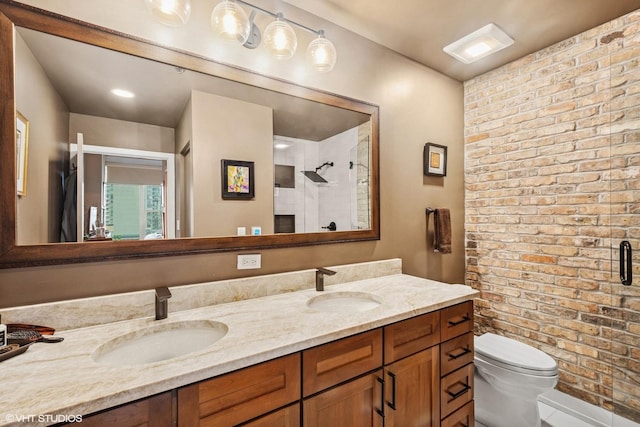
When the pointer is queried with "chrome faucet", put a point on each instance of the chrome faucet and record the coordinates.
(162, 306)
(320, 272)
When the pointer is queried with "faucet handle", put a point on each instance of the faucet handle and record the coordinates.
(326, 271)
(163, 293)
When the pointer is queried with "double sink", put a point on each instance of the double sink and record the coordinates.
(167, 340)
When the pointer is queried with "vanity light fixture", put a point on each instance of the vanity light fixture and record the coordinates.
(321, 53)
(230, 20)
(280, 38)
(173, 13)
(479, 44)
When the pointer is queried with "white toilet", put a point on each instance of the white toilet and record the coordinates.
(509, 377)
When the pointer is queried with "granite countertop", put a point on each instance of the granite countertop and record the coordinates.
(63, 380)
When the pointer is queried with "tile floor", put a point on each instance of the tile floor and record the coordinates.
(561, 410)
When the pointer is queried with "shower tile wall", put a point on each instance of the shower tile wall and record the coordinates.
(537, 163)
(316, 205)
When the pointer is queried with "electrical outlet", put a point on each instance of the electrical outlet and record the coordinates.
(249, 261)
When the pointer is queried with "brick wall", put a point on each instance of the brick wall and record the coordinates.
(552, 183)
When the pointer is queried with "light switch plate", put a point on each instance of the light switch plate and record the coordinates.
(249, 261)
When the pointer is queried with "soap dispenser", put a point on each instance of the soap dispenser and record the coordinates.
(3, 333)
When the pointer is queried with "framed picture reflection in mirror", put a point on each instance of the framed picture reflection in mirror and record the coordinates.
(237, 180)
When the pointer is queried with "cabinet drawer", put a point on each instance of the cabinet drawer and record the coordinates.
(463, 417)
(330, 364)
(456, 320)
(456, 353)
(456, 390)
(239, 396)
(410, 336)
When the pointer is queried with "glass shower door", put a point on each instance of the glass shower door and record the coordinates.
(625, 228)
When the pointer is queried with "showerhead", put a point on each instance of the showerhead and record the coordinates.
(313, 176)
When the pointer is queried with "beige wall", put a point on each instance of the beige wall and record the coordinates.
(184, 174)
(121, 134)
(39, 211)
(548, 138)
(225, 128)
(417, 105)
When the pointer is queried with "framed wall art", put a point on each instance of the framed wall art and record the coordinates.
(237, 180)
(22, 152)
(435, 159)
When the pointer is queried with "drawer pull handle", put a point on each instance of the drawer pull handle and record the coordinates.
(465, 388)
(380, 411)
(392, 404)
(459, 322)
(464, 352)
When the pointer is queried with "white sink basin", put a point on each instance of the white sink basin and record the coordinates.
(344, 302)
(159, 342)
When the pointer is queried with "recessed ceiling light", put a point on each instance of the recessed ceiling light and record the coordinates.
(122, 93)
(281, 146)
(479, 44)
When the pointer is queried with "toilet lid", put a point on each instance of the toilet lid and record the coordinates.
(514, 355)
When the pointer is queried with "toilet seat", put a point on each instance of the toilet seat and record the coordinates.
(514, 355)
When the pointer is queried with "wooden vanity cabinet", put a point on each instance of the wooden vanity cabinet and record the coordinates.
(285, 417)
(154, 411)
(237, 397)
(412, 372)
(339, 386)
(416, 372)
(456, 365)
(356, 403)
(411, 391)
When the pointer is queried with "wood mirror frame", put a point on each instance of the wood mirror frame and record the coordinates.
(13, 255)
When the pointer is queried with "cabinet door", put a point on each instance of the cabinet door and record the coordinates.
(285, 417)
(237, 397)
(357, 403)
(412, 391)
(155, 411)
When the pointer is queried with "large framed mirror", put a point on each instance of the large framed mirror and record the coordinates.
(106, 177)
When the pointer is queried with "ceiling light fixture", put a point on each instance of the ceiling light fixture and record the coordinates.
(123, 93)
(230, 20)
(479, 44)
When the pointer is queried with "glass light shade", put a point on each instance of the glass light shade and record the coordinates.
(173, 13)
(321, 54)
(231, 21)
(280, 39)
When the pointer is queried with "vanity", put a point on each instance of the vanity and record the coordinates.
(383, 349)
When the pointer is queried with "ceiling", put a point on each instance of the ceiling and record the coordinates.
(87, 74)
(419, 29)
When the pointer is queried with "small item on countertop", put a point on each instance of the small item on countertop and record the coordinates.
(44, 330)
(29, 336)
(10, 350)
(3, 333)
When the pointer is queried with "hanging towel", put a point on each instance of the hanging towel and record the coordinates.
(68, 224)
(442, 232)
